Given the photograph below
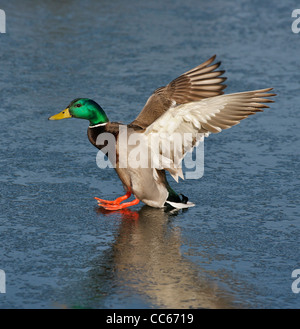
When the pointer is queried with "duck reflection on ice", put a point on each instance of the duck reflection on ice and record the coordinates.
(148, 261)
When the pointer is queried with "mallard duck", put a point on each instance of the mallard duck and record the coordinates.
(192, 103)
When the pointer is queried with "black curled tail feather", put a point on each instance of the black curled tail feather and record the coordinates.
(177, 198)
(184, 199)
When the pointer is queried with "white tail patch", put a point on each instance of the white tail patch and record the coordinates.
(180, 205)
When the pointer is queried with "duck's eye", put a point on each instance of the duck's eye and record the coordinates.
(78, 105)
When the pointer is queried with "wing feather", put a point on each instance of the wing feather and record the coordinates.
(199, 83)
(199, 119)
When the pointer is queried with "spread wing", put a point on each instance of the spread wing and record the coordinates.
(197, 84)
(180, 128)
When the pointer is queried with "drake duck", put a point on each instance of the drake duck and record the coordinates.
(193, 103)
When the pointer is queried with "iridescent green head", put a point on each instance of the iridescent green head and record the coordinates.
(83, 108)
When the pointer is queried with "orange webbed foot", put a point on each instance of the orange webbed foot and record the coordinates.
(120, 206)
(113, 202)
(116, 204)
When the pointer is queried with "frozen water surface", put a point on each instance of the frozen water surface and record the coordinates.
(236, 248)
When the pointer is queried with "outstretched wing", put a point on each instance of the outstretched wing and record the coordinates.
(198, 120)
(199, 83)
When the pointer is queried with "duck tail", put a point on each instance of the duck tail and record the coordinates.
(178, 201)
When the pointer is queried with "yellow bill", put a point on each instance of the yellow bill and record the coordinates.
(62, 115)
